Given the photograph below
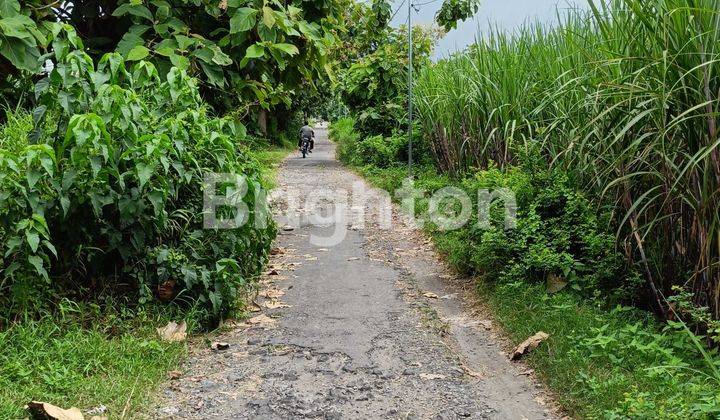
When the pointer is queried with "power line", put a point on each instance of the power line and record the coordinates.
(397, 10)
(424, 3)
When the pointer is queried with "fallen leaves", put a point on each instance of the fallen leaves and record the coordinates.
(47, 410)
(487, 324)
(275, 304)
(277, 251)
(528, 345)
(173, 331)
(261, 320)
(430, 295)
(219, 346)
(272, 293)
(555, 283)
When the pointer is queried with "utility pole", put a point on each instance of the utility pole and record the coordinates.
(410, 86)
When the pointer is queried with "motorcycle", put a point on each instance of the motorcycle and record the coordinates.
(305, 146)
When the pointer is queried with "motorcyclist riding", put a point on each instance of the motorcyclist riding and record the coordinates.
(306, 132)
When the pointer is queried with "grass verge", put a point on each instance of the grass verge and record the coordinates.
(270, 157)
(61, 361)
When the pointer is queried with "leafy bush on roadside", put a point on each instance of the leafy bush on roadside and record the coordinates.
(558, 234)
(109, 195)
(343, 133)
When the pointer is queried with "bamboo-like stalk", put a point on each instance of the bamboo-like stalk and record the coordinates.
(624, 98)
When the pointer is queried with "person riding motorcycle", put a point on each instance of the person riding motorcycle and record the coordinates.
(306, 132)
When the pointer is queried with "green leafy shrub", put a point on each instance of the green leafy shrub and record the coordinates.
(110, 195)
(380, 151)
(558, 233)
(343, 133)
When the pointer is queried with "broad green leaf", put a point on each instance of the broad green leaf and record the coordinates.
(184, 42)
(16, 27)
(267, 34)
(180, 61)
(243, 20)
(138, 53)
(255, 51)
(293, 11)
(157, 198)
(144, 173)
(128, 42)
(214, 74)
(287, 48)
(21, 54)
(220, 58)
(32, 178)
(205, 54)
(268, 17)
(65, 204)
(309, 30)
(166, 47)
(133, 9)
(33, 239)
(50, 247)
(39, 264)
(9, 8)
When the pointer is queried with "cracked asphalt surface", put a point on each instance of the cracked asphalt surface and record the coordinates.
(375, 326)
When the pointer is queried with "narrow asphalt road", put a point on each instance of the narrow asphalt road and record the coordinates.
(353, 320)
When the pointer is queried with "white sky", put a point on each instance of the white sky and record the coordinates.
(507, 15)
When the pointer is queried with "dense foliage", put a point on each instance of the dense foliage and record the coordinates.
(102, 188)
(624, 102)
(254, 53)
(373, 63)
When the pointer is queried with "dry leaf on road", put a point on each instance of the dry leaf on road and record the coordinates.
(276, 304)
(260, 319)
(529, 344)
(218, 345)
(173, 331)
(272, 293)
(39, 408)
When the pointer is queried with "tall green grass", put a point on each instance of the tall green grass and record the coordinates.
(625, 99)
